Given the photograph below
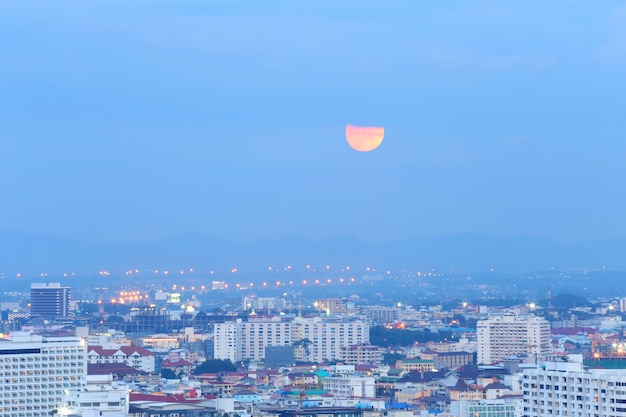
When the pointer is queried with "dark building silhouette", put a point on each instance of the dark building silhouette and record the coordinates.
(50, 300)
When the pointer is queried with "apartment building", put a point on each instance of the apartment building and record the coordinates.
(99, 396)
(328, 336)
(225, 341)
(243, 340)
(502, 407)
(135, 356)
(563, 387)
(257, 334)
(362, 354)
(506, 334)
(36, 371)
(353, 385)
(315, 339)
(383, 315)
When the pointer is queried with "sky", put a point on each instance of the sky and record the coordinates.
(139, 120)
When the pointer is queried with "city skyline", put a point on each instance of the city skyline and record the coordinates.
(144, 121)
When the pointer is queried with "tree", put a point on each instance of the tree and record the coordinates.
(302, 348)
(168, 374)
(392, 358)
(212, 366)
(381, 336)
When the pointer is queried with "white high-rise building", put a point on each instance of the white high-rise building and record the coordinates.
(508, 334)
(36, 371)
(566, 388)
(257, 334)
(243, 340)
(383, 315)
(327, 336)
(225, 341)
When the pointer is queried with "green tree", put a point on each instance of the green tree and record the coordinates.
(392, 358)
(168, 374)
(381, 336)
(212, 366)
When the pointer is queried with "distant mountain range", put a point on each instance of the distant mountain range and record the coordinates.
(470, 253)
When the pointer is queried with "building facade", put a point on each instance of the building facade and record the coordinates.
(36, 372)
(354, 385)
(248, 340)
(566, 388)
(225, 341)
(135, 356)
(503, 407)
(327, 336)
(50, 300)
(508, 334)
(99, 396)
(315, 339)
(362, 354)
(255, 335)
(383, 315)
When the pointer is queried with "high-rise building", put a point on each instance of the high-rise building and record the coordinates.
(225, 341)
(508, 406)
(314, 339)
(507, 334)
(49, 300)
(257, 334)
(566, 388)
(330, 305)
(383, 315)
(37, 371)
(243, 340)
(327, 336)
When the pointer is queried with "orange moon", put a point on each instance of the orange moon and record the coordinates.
(364, 139)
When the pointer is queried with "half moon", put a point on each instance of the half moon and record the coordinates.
(364, 139)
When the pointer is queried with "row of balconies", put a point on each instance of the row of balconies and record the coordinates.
(52, 380)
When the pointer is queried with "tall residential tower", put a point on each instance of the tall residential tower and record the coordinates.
(507, 334)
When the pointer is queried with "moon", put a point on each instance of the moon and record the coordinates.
(364, 139)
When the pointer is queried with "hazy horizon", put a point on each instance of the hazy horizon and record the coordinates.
(125, 122)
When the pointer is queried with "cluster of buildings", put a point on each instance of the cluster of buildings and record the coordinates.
(316, 339)
(514, 363)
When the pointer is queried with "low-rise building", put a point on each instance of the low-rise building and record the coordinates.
(361, 354)
(134, 356)
(354, 385)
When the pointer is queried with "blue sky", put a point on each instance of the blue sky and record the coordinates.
(138, 120)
